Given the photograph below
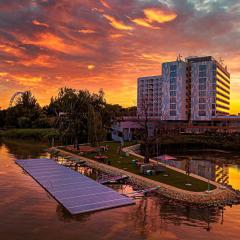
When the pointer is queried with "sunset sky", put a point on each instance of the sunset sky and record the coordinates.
(93, 44)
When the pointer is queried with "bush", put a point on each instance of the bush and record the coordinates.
(35, 134)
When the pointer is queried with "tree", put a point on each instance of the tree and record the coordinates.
(25, 112)
(146, 137)
(96, 132)
(2, 118)
(73, 118)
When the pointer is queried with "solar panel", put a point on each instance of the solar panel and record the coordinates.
(76, 192)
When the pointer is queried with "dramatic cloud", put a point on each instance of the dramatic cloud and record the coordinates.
(117, 24)
(144, 23)
(105, 4)
(37, 23)
(86, 31)
(92, 44)
(158, 15)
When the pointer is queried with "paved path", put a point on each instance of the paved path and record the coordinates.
(217, 195)
(131, 150)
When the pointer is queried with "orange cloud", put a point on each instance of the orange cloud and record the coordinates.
(10, 50)
(47, 40)
(154, 15)
(86, 31)
(42, 60)
(117, 24)
(116, 35)
(27, 80)
(91, 67)
(105, 4)
(22, 79)
(3, 74)
(144, 23)
(159, 15)
(53, 42)
(37, 23)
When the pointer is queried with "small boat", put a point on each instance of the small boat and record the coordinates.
(142, 193)
(112, 179)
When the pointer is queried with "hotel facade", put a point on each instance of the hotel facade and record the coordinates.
(197, 89)
(192, 96)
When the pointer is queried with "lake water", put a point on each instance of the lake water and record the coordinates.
(28, 212)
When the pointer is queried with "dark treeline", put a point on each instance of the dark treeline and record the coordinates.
(78, 115)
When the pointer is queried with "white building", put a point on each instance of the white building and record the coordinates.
(197, 89)
(174, 87)
(149, 96)
(210, 88)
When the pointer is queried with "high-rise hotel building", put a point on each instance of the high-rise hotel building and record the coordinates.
(197, 89)
(210, 88)
(174, 91)
(149, 96)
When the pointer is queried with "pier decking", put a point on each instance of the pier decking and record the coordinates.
(77, 193)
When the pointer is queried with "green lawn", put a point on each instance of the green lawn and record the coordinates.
(174, 178)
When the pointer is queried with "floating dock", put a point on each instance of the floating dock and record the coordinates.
(76, 192)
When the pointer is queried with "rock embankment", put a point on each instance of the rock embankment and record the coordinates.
(216, 197)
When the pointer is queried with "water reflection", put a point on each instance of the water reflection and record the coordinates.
(212, 168)
(153, 212)
(65, 216)
(36, 215)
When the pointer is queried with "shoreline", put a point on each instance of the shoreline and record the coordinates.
(218, 196)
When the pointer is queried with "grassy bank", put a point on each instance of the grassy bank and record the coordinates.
(174, 178)
(39, 134)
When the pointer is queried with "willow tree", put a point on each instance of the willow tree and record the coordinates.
(96, 132)
(73, 118)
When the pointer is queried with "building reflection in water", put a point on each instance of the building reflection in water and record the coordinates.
(212, 170)
(154, 213)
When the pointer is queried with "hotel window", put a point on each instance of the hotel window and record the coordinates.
(173, 68)
(202, 68)
(173, 74)
(173, 87)
(173, 93)
(202, 74)
(202, 100)
(173, 100)
(173, 113)
(202, 106)
(173, 81)
(172, 106)
(202, 93)
(202, 87)
(202, 80)
(202, 113)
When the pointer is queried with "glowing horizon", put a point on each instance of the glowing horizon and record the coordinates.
(94, 44)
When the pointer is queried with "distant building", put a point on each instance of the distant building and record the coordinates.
(174, 91)
(210, 88)
(192, 96)
(196, 89)
(149, 96)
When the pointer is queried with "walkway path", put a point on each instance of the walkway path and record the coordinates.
(217, 195)
(132, 150)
